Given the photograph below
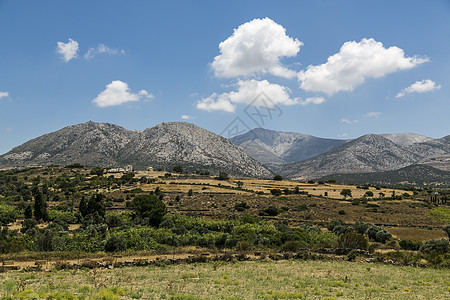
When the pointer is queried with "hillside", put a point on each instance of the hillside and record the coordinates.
(273, 148)
(369, 153)
(406, 139)
(417, 175)
(163, 146)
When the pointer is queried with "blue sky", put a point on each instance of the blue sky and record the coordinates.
(336, 69)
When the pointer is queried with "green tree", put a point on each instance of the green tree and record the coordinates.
(149, 206)
(222, 176)
(447, 230)
(96, 205)
(28, 213)
(346, 192)
(157, 191)
(40, 207)
(369, 194)
(277, 177)
(8, 214)
(83, 207)
(97, 171)
(178, 169)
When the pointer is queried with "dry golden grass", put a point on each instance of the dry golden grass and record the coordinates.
(416, 234)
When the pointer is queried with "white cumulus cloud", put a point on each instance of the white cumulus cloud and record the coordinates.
(254, 92)
(4, 95)
(426, 85)
(68, 50)
(186, 117)
(118, 92)
(102, 49)
(256, 47)
(355, 62)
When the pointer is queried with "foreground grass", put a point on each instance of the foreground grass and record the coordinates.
(241, 280)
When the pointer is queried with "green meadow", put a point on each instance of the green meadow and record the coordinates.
(286, 279)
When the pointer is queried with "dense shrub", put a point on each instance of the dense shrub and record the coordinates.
(270, 211)
(8, 214)
(151, 207)
(275, 192)
(447, 230)
(409, 245)
(241, 206)
(438, 246)
(291, 246)
(353, 240)
(115, 243)
(62, 216)
(360, 227)
(378, 234)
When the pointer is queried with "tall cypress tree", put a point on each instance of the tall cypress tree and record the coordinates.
(96, 204)
(28, 212)
(40, 207)
(83, 207)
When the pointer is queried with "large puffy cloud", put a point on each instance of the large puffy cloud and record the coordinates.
(102, 49)
(355, 62)
(423, 86)
(256, 47)
(249, 92)
(118, 92)
(67, 50)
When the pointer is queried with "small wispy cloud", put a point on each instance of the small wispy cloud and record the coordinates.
(348, 121)
(372, 114)
(102, 49)
(68, 50)
(4, 95)
(312, 100)
(424, 86)
(186, 117)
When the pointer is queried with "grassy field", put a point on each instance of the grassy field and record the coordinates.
(240, 280)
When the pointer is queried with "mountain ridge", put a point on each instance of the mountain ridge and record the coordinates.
(368, 153)
(162, 146)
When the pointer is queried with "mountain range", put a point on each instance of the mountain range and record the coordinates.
(258, 153)
(163, 146)
(300, 156)
(275, 148)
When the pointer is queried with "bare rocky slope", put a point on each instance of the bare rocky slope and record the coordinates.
(163, 146)
(406, 139)
(274, 148)
(369, 153)
(296, 155)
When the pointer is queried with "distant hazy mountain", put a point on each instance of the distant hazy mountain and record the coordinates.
(165, 145)
(418, 175)
(406, 139)
(273, 148)
(369, 153)
(434, 147)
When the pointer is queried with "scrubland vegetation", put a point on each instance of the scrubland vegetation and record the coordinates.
(61, 212)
